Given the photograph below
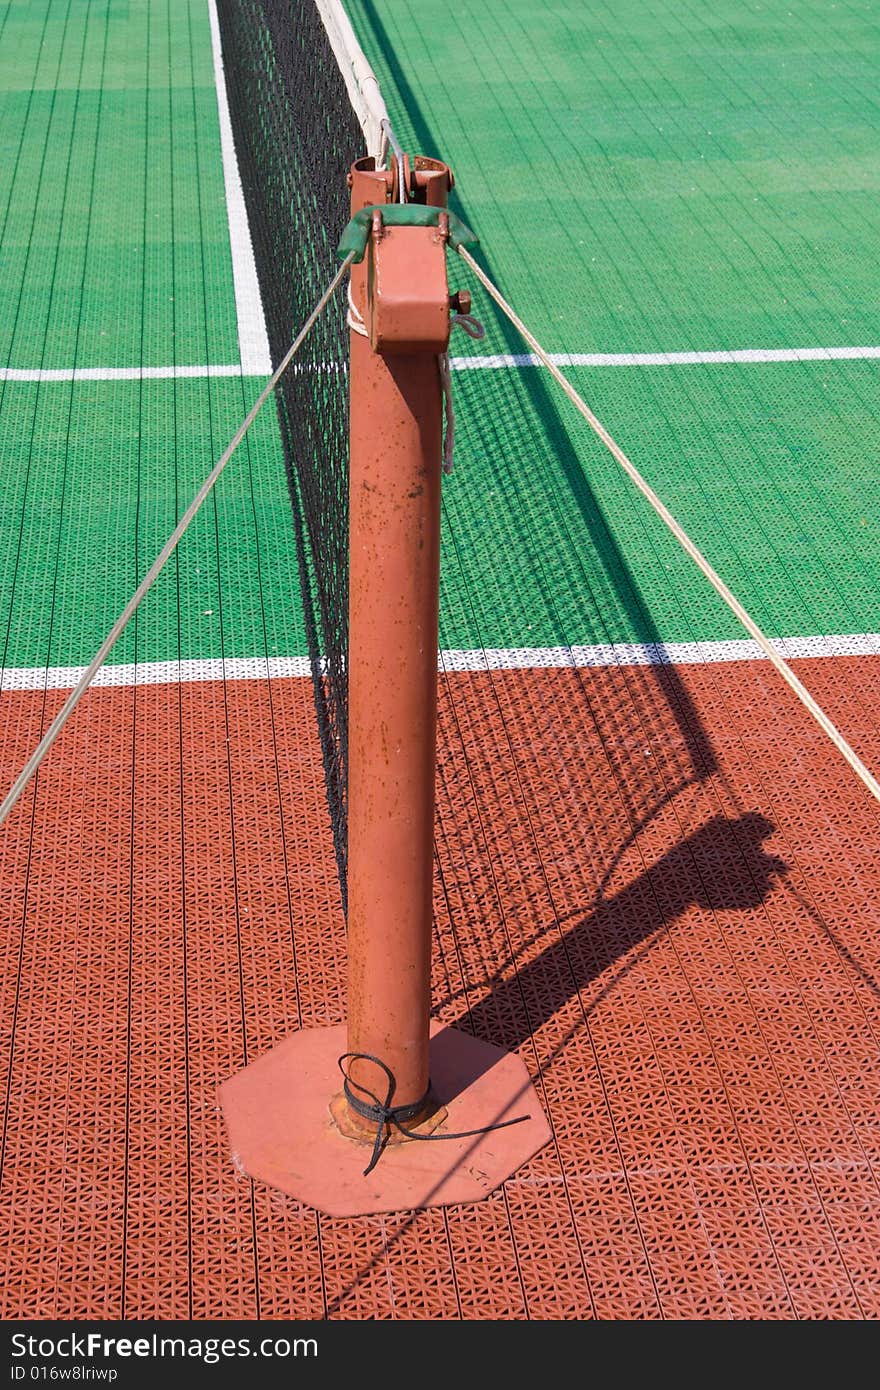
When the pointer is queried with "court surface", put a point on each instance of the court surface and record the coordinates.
(654, 877)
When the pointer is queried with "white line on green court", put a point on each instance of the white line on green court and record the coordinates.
(479, 659)
(253, 344)
(122, 373)
(669, 359)
(657, 653)
(157, 672)
(252, 367)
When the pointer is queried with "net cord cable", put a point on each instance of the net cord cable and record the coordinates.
(360, 81)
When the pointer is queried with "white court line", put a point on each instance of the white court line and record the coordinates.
(489, 659)
(119, 373)
(657, 653)
(157, 672)
(260, 366)
(668, 359)
(253, 344)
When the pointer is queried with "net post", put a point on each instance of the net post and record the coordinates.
(395, 415)
(349, 1149)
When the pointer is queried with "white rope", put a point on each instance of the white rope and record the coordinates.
(354, 318)
(393, 141)
(97, 661)
(474, 329)
(682, 537)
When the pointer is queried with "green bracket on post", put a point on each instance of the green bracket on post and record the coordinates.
(354, 239)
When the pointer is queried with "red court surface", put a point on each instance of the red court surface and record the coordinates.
(677, 931)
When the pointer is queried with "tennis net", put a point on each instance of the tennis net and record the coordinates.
(304, 104)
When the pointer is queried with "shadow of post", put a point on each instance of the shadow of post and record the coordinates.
(721, 867)
(617, 926)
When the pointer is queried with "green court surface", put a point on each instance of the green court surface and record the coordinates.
(768, 466)
(643, 179)
(95, 477)
(115, 241)
(654, 175)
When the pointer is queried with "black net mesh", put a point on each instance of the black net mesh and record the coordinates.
(296, 135)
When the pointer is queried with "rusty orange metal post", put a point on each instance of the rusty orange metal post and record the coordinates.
(288, 1121)
(401, 294)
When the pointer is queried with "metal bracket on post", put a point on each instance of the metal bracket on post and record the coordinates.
(289, 1124)
(407, 292)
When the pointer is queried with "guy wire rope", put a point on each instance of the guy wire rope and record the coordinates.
(33, 763)
(733, 603)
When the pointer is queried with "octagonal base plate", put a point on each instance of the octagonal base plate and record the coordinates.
(281, 1131)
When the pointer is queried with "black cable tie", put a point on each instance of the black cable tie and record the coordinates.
(385, 1115)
